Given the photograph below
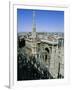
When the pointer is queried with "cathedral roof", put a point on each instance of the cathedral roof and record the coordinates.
(52, 38)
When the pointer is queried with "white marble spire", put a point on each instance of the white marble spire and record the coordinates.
(34, 26)
(34, 23)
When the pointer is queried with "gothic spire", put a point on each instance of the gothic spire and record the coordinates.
(34, 26)
(34, 23)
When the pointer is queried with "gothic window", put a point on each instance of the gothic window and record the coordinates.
(45, 57)
(60, 42)
(47, 50)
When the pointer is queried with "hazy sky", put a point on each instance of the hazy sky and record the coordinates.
(46, 20)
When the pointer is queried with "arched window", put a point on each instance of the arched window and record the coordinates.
(45, 57)
(47, 50)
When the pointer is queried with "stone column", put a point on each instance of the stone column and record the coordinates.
(54, 63)
(62, 62)
(51, 69)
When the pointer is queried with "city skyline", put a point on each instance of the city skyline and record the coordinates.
(46, 20)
